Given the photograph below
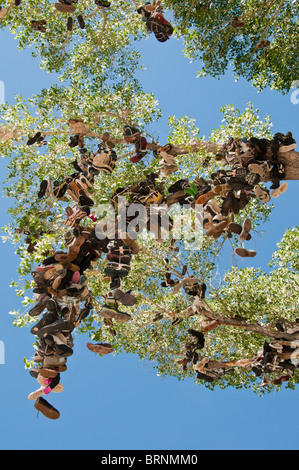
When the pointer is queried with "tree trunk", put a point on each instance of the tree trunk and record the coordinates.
(253, 327)
(290, 159)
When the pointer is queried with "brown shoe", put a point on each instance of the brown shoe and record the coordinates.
(48, 373)
(64, 8)
(237, 228)
(280, 190)
(204, 198)
(245, 253)
(100, 348)
(46, 409)
(246, 227)
(216, 229)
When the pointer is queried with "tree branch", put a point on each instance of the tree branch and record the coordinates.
(253, 327)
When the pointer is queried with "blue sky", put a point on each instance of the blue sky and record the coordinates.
(118, 403)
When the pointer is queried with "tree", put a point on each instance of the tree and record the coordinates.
(236, 323)
(257, 39)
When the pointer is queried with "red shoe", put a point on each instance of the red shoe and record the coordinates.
(159, 17)
(100, 348)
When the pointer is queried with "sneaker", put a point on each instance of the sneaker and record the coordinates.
(287, 142)
(204, 198)
(46, 409)
(215, 229)
(226, 205)
(40, 305)
(112, 313)
(131, 134)
(58, 345)
(47, 319)
(48, 373)
(117, 270)
(54, 327)
(54, 361)
(84, 199)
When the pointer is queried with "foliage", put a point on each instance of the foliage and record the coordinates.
(207, 31)
(96, 68)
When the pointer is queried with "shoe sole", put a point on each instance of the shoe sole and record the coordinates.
(245, 253)
(46, 409)
(64, 8)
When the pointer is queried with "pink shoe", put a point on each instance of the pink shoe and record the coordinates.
(42, 269)
(76, 277)
(47, 381)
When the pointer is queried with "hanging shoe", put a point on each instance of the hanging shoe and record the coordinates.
(64, 8)
(280, 190)
(246, 227)
(43, 188)
(237, 229)
(46, 409)
(34, 139)
(112, 313)
(261, 193)
(39, 25)
(69, 24)
(126, 298)
(131, 134)
(245, 253)
(81, 21)
(100, 348)
(102, 3)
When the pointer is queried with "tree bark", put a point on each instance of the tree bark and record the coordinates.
(253, 327)
(290, 159)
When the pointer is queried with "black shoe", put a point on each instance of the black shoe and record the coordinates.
(59, 189)
(81, 21)
(84, 199)
(69, 24)
(40, 305)
(61, 349)
(54, 327)
(74, 141)
(33, 139)
(205, 377)
(102, 3)
(47, 319)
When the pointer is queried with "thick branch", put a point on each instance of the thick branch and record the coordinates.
(253, 327)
